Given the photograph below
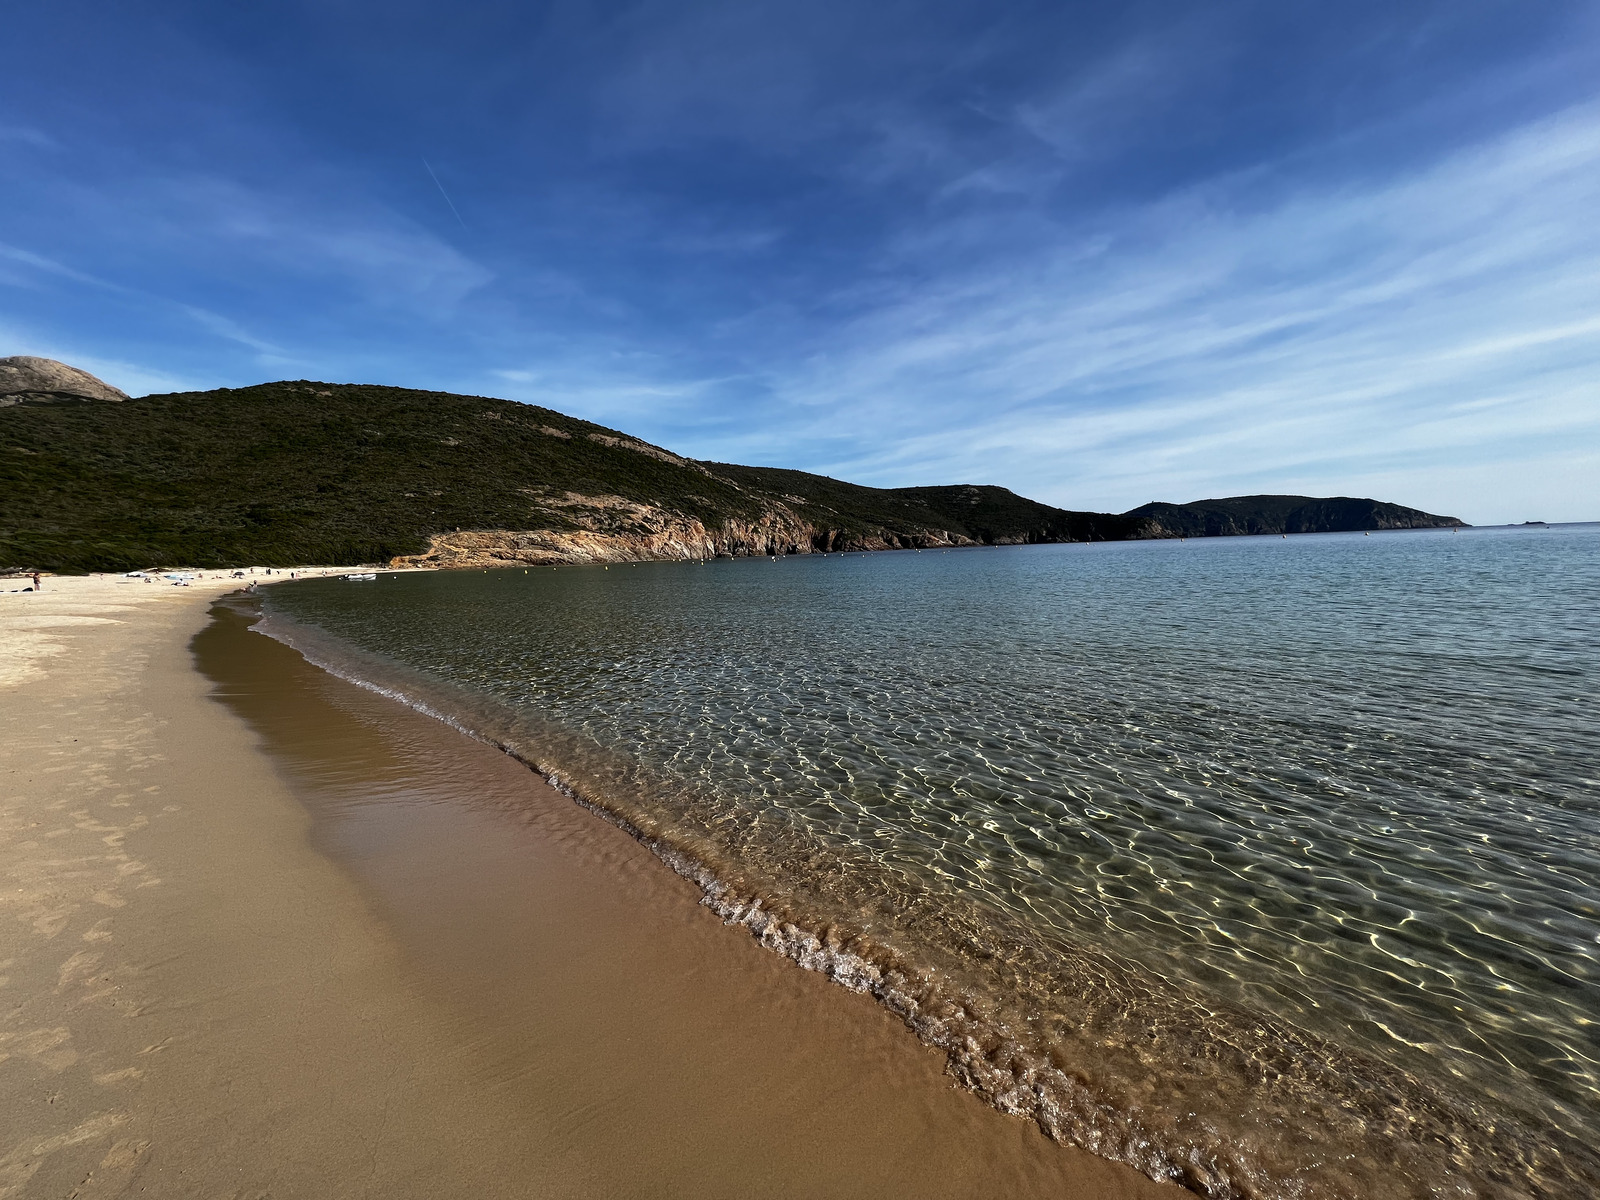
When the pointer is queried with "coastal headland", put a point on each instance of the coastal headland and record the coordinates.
(267, 933)
(302, 471)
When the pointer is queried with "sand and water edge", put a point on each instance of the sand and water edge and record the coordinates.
(270, 933)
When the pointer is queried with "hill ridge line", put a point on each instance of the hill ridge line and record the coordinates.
(308, 471)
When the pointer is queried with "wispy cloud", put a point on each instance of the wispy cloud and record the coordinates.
(28, 267)
(27, 135)
(1198, 341)
(25, 266)
(610, 392)
(381, 256)
(225, 327)
(290, 275)
(1095, 253)
(324, 229)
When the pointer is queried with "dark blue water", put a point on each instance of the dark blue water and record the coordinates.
(1269, 865)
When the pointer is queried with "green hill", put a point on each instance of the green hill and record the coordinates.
(1284, 514)
(301, 472)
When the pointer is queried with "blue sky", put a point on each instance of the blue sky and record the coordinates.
(1096, 253)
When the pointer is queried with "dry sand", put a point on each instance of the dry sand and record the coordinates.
(304, 942)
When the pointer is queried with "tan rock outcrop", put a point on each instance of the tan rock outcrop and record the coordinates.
(25, 379)
(613, 529)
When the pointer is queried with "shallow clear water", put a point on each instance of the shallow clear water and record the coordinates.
(1268, 865)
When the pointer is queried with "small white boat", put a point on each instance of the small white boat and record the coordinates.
(368, 577)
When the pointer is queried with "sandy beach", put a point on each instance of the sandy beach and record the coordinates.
(305, 942)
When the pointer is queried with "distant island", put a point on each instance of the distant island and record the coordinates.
(300, 471)
(1285, 514)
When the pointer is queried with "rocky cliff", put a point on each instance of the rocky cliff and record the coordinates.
(611, 529)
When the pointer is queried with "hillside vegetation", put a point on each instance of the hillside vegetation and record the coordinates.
(300, 472)
(1285, 514)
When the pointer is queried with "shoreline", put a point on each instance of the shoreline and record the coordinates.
(1265, 1095)
(229, 968)
(194, 1002)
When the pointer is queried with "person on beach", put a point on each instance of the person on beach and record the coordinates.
(37, 586)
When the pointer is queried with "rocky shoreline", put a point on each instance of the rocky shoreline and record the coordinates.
(655, 535)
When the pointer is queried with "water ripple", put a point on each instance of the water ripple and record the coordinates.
(1273, 866)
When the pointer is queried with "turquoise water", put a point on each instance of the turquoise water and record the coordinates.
(1271, 866)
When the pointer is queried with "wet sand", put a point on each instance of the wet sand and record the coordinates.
(266, 932)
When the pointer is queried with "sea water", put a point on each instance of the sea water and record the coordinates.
(1270, 866)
